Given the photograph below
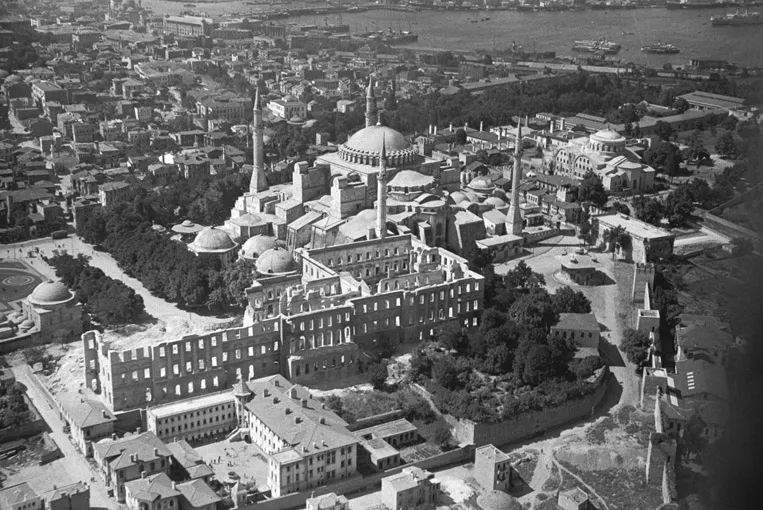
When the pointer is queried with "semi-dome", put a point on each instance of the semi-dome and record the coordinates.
(27, 324)
(254, 246)
(275, 261)
(409, 178)
(50, 292)
(211, 239)
(458, 197)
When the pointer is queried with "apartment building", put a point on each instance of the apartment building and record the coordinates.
(193, 419)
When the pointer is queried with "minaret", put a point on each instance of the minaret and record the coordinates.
(259, 181)
(514, 215)
(371, 116)
(381, 193)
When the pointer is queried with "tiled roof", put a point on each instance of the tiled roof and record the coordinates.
(117, 453)
(307, 426)
(198, 493)
(189, 459)
(85, 412)
(577, 321)
(152, 488)
(16, 494)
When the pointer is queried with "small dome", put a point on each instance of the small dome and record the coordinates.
(275, 261)
(50, 293)
(187, 223)
(458, 197)
(14, 78)
(411, 178)
(482, 183)
(608, 136)
(27, 324)
(254, 246)
(496, 202)
(370, 140)
(212, 239)
(497, 500)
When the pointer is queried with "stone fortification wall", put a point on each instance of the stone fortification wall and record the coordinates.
(529, 424)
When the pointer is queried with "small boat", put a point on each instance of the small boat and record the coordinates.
(660, 47)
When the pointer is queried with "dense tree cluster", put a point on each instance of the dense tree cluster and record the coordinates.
(14, 410)
(678, 205)
(510, 363)
(110, 302)
(165, 267)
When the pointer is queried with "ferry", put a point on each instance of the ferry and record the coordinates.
(660, 47)
(737, 18)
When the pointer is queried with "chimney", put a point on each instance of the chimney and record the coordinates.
(287, 411)
(304, 402)
(266, 393)
(174, 486)
(137, 431)
(297, 420)
(323, 442)
(142, 474)
(275, 400)
(481, 125)
(293, 393)
(105, 414)
(323, 406)
(156, 452)
(451, 127)
(113, 437)
(276, 382)
(323, 420)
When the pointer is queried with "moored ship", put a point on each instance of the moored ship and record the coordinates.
(737, 18)
(660, 47)
(600, 46)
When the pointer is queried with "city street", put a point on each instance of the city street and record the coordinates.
(72, 467)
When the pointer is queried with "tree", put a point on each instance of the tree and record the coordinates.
(726, 145)
(730, 123)
(679, 206)
(635, 345)
(445, 373)
(533, 363)
(534, 309)
(621, 207)
(567, 300)
(649, 210)
(377, 375)
(454, 337)
(681, 105)
(663, 130)
(487, 60)
(523, 277)
(460, 137)
(591, 190)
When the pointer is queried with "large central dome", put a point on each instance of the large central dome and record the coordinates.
(365, 146)
(370, 140)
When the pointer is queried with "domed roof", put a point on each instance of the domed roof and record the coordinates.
(27, 324)
(257, 245)
(497, 500)
(458, 197)
(275, 261)
(212, 239)
(370, 140)
(411, 178)
(607, 135)
(14, 78)
(496, 202)
(50, 292)
(482, 182)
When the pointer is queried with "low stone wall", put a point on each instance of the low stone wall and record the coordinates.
(457, 456)
(377, 419)
(531, 423)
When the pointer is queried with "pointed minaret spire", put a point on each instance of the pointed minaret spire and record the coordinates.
(259, 181)
(381, 193)
(514, 215)
(371, 116)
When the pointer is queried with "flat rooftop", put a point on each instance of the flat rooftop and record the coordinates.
(390, 429)
(633, 226)
(191, 404)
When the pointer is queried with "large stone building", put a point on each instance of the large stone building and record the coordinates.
(194, 419)
(409, 489)
(605, 154)
(305, 326)
(647, 242)
(307, 444)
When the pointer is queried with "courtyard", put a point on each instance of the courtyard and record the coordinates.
(246, 460)
(17, 281)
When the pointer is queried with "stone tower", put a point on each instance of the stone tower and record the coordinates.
(259, 181)
(514, 215)
(371, 114)
(381, 193)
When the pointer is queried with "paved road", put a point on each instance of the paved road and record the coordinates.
(73, 463)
